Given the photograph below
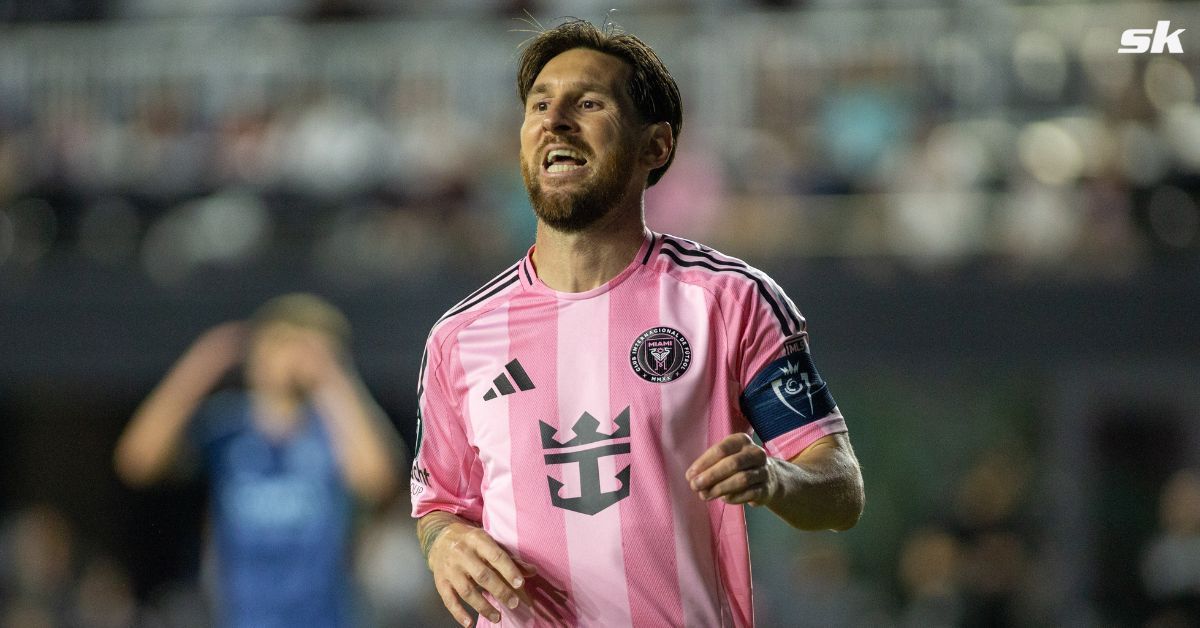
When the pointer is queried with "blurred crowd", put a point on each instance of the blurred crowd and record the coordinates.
(979, 562)
(38, 10)
(984, 560)
(363, 151)
(53, 575)
(321, 179)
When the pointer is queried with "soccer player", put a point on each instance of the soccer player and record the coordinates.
(583, 449)
(284, 459)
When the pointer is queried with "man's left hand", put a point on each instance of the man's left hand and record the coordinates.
(735, 470)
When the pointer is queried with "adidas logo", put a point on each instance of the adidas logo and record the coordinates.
(504, 386)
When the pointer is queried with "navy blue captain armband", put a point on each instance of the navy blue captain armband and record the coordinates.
(788, 393)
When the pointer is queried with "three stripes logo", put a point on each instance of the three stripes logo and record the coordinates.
(503, 386)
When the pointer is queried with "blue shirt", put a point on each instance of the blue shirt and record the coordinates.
(281, 519)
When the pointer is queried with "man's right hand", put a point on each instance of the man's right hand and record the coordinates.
(219, 348)
(148, 444)
(466, 562)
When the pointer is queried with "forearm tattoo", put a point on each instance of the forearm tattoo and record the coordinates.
(430, 532)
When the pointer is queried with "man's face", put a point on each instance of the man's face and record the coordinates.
(579, 141)
(283, 358)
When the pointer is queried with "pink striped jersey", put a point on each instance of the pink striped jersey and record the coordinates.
(563, 423)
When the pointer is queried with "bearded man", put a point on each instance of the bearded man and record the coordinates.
(583, 451)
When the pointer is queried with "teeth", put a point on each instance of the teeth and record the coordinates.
(563, 152)
(561, 167)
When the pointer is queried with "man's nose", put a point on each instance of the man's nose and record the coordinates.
(559, 118)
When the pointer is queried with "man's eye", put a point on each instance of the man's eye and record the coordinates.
(588, 104)
(541, 106)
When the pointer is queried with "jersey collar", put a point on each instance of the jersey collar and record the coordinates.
(531, 281)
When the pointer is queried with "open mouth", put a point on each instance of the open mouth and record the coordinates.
(563, 160)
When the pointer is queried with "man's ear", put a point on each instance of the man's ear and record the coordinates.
(658, 145)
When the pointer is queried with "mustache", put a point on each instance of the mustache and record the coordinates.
(569, 142)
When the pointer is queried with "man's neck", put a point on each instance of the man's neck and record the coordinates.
(582, 261)
(276, 415)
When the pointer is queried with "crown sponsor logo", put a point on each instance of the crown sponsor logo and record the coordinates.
(592, 499)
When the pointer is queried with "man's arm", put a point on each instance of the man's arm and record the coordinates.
(465, 562)
(819, 489)
(366, 446)
(148, 445)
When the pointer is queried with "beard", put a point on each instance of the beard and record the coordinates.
(573, 210)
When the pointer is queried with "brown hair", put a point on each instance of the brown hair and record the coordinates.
(304, 310)
(651, 87)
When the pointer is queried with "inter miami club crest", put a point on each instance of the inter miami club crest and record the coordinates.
(660, 355)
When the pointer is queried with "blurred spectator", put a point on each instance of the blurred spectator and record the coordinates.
(824, 592)
(104, 598)
(284, 459)
(1171, 563)
(995, 549)
(930, 574)
(865, 116)
(397, 587)
(334, 148)
(39, 555)
(46, 579)
(689, 202)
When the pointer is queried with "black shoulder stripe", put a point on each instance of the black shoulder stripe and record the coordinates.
(680, 244)
(762, 291)
(425, 355)
(511, 275)
(650, 249)
(764, 286)
(706, 253)
(787, 306)
(790, 308)
(512, 278)
(700, 253)
(494, 281)
(463, 306)
(525, 267)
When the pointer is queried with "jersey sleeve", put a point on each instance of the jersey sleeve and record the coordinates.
(783, 396)
(446, 471)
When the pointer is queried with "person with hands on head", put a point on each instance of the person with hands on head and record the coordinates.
(286, 458)
(583, 452)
